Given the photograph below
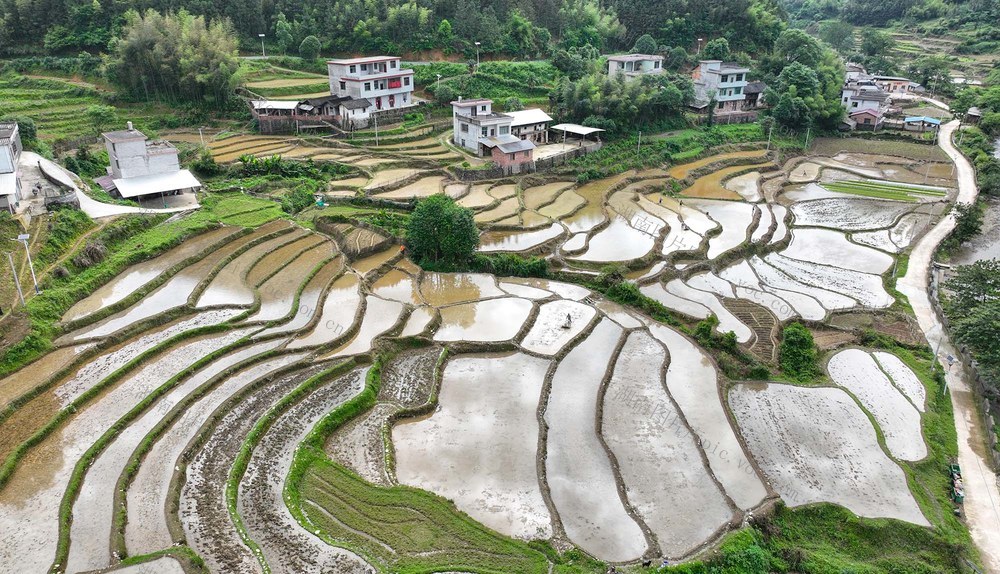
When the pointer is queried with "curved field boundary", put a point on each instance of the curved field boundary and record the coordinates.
(9, 465)
(120, 519)
(239, 467)
(76, 480)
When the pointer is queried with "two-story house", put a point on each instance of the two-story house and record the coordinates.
(10, 155)
(379, 80)
(531, 124)
(140, 166)
(865, 103)
(486, 133)
(726, 82)
(635, 65)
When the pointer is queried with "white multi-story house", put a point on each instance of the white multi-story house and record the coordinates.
(381, 80)
(484, 132)
(10, 155)
(865, 102)
(726, 82)
(140, 166)
(635, 65)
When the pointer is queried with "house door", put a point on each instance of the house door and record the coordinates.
(378, 103)
(392, 101)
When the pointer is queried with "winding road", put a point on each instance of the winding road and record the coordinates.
(982, 501)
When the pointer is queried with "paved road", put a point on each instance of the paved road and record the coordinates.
(982, 501)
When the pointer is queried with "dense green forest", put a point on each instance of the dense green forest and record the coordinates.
(524, 28)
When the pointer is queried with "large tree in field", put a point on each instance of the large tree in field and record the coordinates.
(441, 232)
(175, 58)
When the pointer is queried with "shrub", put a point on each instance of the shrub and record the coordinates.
(798, 351)
(309, 48)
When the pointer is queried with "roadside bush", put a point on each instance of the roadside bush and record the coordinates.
(798, 352)
(510, 265)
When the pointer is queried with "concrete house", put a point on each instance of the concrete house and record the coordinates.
(486, 133)
(724, 81)
(895, 84)
(531, 125)
(142, 167)
(381, 81)
(865, 102)
(635, 65)
(921, 124)
(10, 155)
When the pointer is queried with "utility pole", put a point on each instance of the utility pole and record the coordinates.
(201, 135)
(262, 52)
(769, 130)
(477, 55)
(808, 129)
(23, 238)
(638, 145)
(376, 128)
(17, 282)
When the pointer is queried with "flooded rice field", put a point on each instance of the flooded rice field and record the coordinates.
(179, 394)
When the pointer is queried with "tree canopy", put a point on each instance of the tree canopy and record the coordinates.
(175, 58)
(441, 232)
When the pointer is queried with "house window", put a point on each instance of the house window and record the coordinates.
(513, 156)
(867, 121)
(482, 108)
(352, 69)
(721, 104)
(368, 86)
(854, 104)
(343, 85)
(364, 67)
(738, 91)
(406, 81)
(483, 131)
(504, 130)
(465, 128)
(392, 64)
(656, 64)
(527, 153)
(493, 132)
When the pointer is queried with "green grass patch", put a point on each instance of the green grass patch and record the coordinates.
(883, 190)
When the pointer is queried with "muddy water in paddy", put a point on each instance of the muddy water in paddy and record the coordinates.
(484, 321)
(479, 447)
(593, 213)
(38, 372)
(837, 457)
(308, 305)
(228, 287)
(146, 530)
(380, 315)
(683, 506)
(37, 412)
(162, 565)
(277, 294)
(29, 503)
(373, 262)
(337, 315)
(286, 546)
(446, 288)
(710, 186)
(92, 511)
(578, 471)
(517, 240)
(397, 286)
(619, 241)
(140, 274)
(735, 218)
(535, 197)
(279, 258)
(477, 197)
(685, 169)
(417, 322)
(693, 384)
(172, 294)
(567, 202)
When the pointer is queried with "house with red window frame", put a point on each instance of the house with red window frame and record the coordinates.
(381, 81)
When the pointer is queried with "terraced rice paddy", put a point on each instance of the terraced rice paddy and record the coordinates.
(281, 400)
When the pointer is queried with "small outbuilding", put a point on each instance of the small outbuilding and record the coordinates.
(582, 133)
(973, 115)
(921, 124)
(141, 168)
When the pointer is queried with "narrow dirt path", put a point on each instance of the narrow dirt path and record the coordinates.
(982, 501)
